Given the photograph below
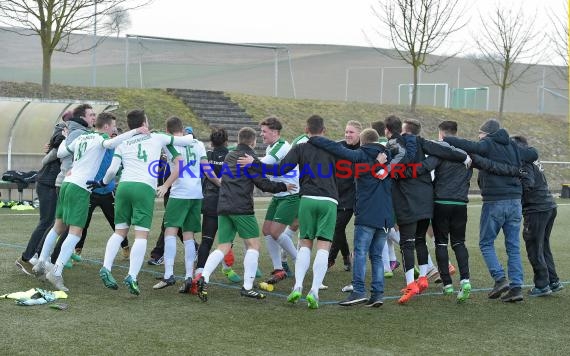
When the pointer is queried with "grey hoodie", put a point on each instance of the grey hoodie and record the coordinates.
(75, 130)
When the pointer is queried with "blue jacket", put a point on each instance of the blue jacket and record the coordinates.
(105, 163)
(373, 206)
(500, 148)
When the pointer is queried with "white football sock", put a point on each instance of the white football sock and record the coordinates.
(391, 251)
(288, 232)
(189, 257)
(67, 249)
(409, 276)
(423, 270)
(430, 262)
(274, 251)
(287, 244)
(211, 263)
(49, 244)
(138, 251)
(169, 255)
(250, 261)
(320, 265)
(386, 257)
(301, 266)
(113, 246)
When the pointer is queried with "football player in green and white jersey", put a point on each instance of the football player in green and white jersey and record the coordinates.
(184, 207)
(134, 202)
(282, 210)
(88, 150)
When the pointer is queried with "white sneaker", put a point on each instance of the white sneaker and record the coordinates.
(56, 281)
(323, 287)
(39, 269)
(348, 288)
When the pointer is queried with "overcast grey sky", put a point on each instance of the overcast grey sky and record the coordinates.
(295, 21)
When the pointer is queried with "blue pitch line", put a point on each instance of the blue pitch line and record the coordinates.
(275, 294)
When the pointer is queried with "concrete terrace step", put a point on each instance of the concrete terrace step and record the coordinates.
(215, 106)
(213, 114)
(195, 92)
(207, 101)
(218, 110)
(230, 121)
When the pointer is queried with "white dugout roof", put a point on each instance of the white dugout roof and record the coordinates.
(26, 125)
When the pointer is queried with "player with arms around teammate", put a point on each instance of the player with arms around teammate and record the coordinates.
(317, 208)
(282, 210)
(73, 201)
(134, 202)
(183, 209)
(236, 215)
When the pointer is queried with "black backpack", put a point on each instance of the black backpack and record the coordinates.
(20, 177)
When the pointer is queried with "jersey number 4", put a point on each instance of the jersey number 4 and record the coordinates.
(142, 154)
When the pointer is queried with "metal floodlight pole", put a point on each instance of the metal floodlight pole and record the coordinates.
(94, 58)
(126, 61)
(346, 85)
(140, 62)
(291, 72)
(381, 85)
(276, 72)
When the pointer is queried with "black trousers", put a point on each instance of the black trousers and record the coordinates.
(536, 235)
(413, 238)
(449, 224)
(339, 242)
(107, 204)
(48, 201)
(209, 230)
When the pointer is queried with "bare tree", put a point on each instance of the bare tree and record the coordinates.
(418, 28)
(119, 19)
(559, 37)
(508, 48)
(54, 21)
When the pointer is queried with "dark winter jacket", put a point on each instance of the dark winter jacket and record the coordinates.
(51, 165)
(210, 190)
(373, 196)
(236, 192)
(452, 179)
(317, 174)
(413, 197)
(500, 148)
(536, 195)
(345, 186)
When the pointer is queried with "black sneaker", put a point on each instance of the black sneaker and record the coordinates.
(185, 287)
(156, 261)
(513, 295)
(251, 293)
(354, 299)
(375, 301)
(539, 292)
(170, 281)
(202, 289)
(347, 264)
(501, 286)
(556, 287)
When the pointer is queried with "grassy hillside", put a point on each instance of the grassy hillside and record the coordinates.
(548, 133)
